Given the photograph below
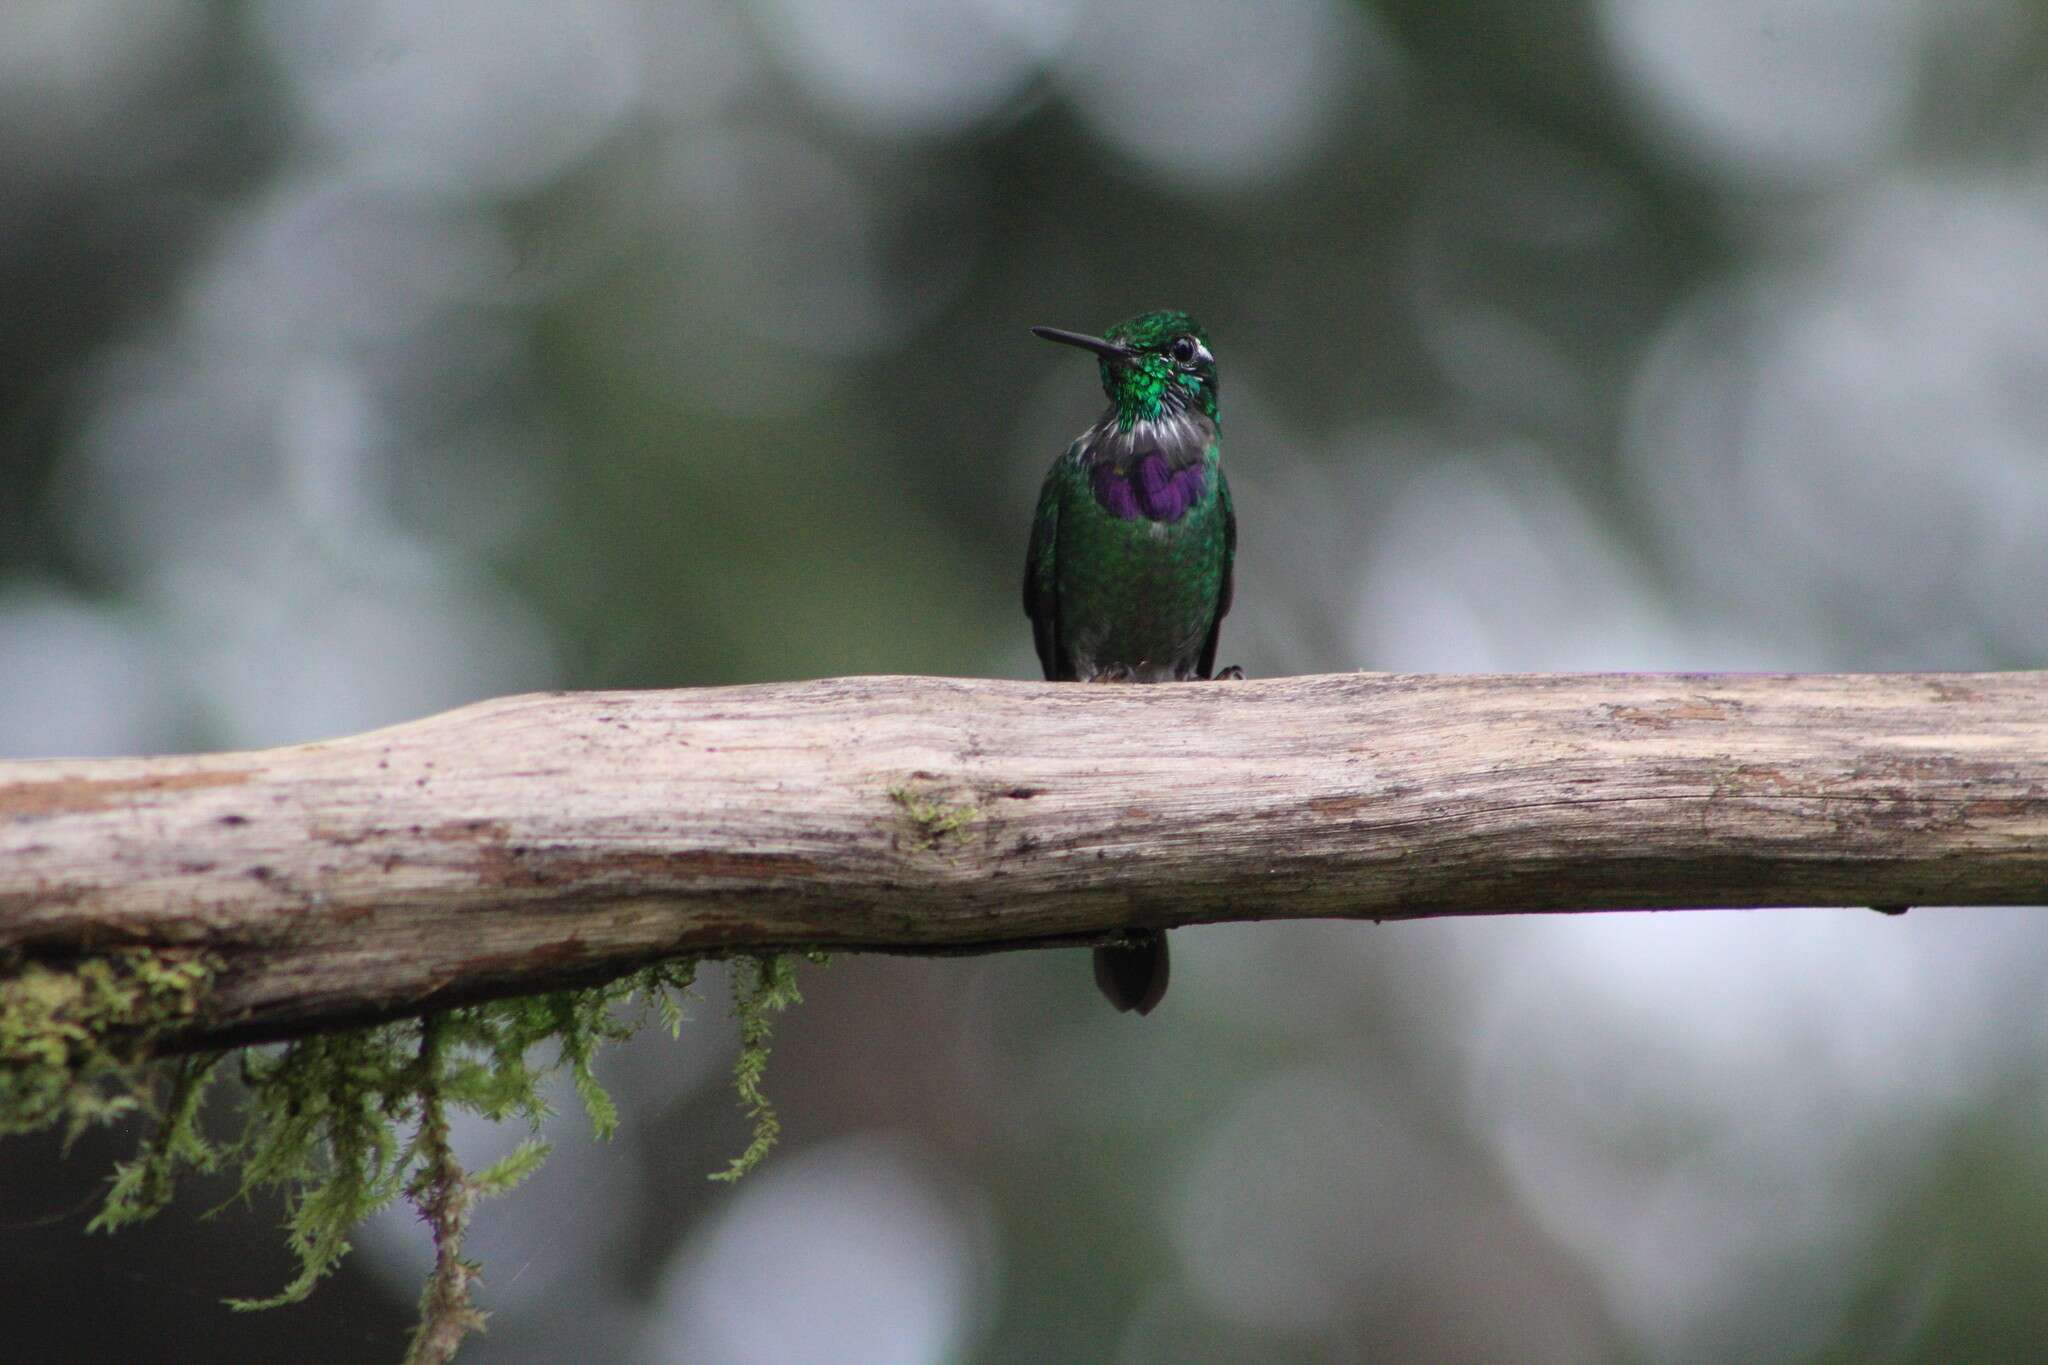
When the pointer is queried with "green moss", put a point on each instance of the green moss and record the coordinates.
(72, 1036)
(341, 1124)
(773, 989)
(934, 818)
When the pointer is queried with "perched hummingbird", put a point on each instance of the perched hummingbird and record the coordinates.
(1129, 572)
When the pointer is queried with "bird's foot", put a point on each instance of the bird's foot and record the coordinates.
(1230, 674)
(1116, 673)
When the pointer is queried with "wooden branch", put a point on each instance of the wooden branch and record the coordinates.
(527, 842)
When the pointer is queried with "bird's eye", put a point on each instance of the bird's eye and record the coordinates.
(1184, 350)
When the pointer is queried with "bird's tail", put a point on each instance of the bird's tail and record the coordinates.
(1132, 974)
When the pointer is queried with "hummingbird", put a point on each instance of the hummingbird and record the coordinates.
(1129, 573)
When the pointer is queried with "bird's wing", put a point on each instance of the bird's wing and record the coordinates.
(1228, 590)
(1041, 581)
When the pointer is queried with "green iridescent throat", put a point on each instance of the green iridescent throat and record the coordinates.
(1150, 381)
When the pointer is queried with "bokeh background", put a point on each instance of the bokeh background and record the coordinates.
(365, 358)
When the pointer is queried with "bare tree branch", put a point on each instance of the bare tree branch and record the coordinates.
(534, 841)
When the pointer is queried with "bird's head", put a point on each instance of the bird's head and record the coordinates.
(1153, 362)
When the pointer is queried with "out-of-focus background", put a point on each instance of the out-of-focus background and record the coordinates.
(365, 358)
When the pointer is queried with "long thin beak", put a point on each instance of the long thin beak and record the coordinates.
(1108, 350)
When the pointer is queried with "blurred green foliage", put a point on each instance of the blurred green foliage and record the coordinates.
(363, 360)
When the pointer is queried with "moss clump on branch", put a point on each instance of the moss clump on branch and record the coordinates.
(933, 817)
(72, 1037)
(343, 1123)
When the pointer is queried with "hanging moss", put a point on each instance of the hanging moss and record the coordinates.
(72, 1036)
(773, 989)
(343, 1123)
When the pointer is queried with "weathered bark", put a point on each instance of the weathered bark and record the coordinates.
(537, 840)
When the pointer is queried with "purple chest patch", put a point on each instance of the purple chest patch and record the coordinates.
(1148, 488)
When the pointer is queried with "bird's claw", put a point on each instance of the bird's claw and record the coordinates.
(1230, 674)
